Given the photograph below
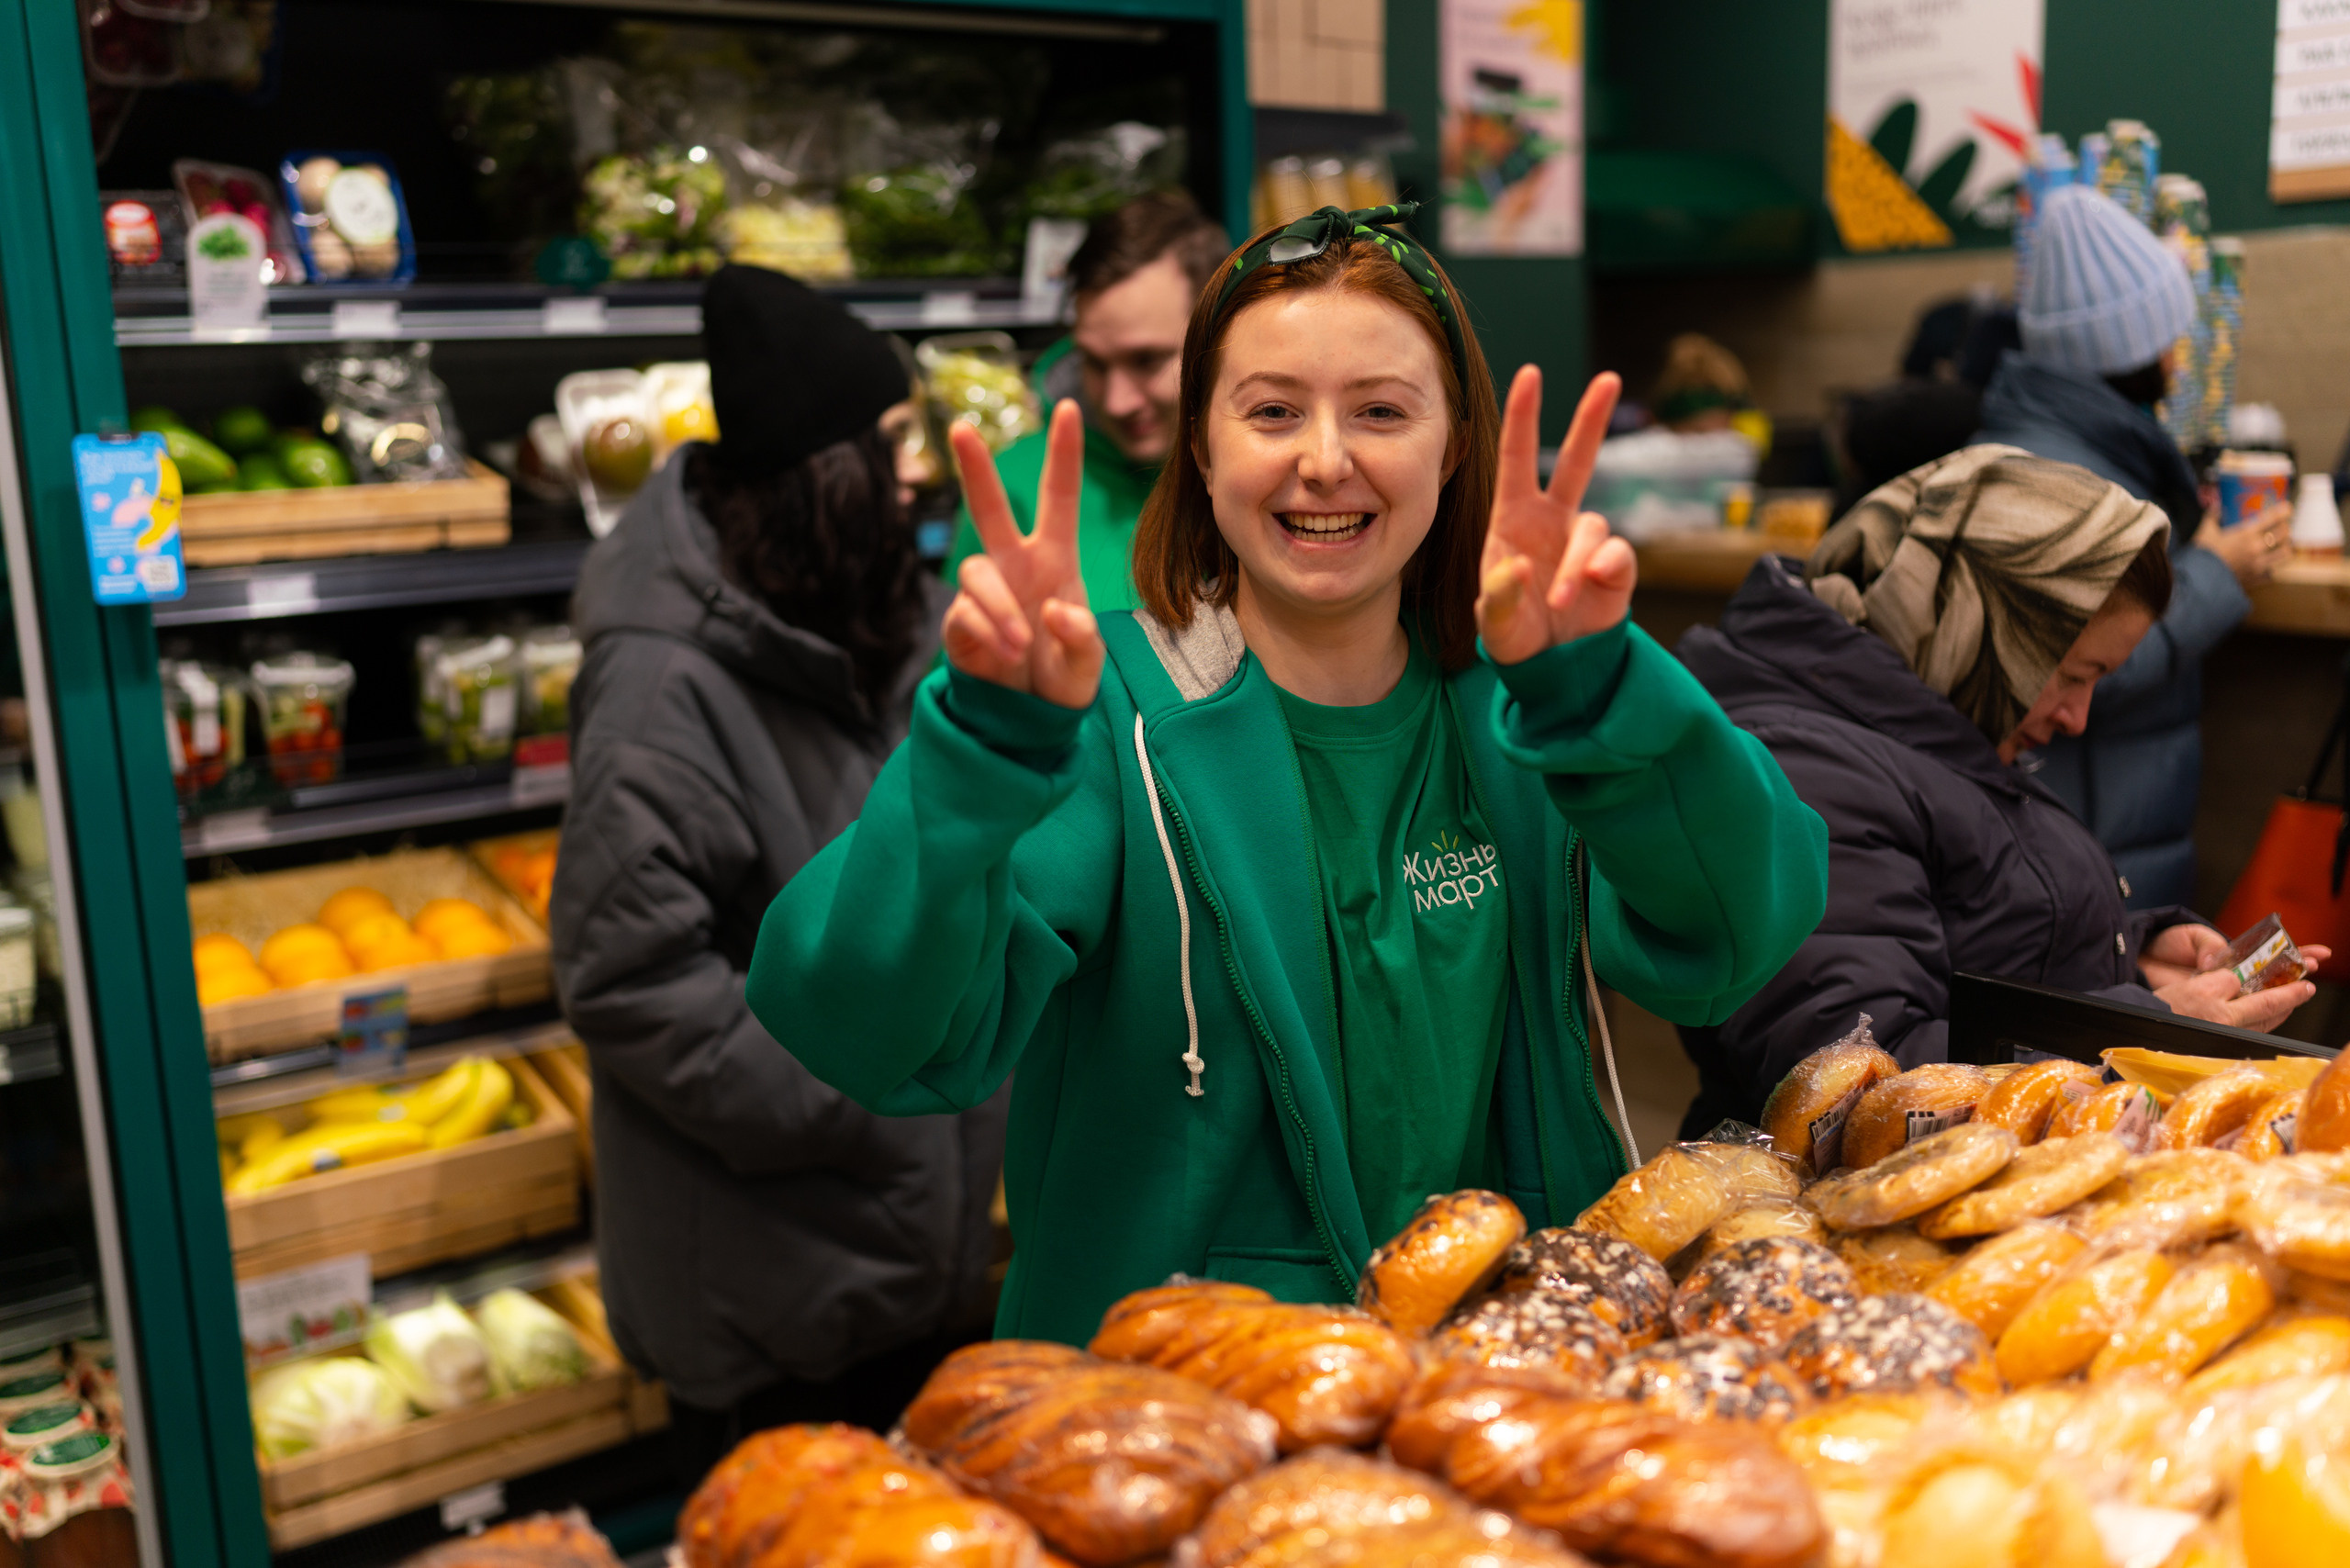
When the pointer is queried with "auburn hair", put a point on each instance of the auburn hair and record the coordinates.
(1181, 559)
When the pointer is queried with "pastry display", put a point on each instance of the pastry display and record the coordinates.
(1762, 1290)
(1110, 1463)
(1529, 1328)
(1452, 1246)
(1916, 1104)
(1892, 1343)
(1710, 1376)
(2048, 1176)
(1609, 1275)
(1894, 1258)
(1327, 1375)
(2206, 1113)
(2130, 1111)
(1914, 1177)
(1806, 1114)
(2070, 1319)
(2172, 1195)
(1988, 1285)
(2025, 1099)
(2209, 1303)
(1662, 1206)
(1330, 1506)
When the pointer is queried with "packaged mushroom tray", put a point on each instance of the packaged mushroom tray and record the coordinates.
(2050, 1316)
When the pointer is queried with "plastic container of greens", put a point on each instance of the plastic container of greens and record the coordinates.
(479, 699)
(304, 697)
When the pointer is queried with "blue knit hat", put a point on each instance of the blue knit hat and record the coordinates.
(2105, 295)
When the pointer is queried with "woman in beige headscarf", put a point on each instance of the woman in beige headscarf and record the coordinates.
(1955, 619)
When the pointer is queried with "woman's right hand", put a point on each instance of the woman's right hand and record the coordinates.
(1020, 618)
(2252, 550)
(2214, 996)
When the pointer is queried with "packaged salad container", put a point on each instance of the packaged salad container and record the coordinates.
(304, 697)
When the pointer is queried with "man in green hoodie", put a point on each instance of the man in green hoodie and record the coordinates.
(1134, 281)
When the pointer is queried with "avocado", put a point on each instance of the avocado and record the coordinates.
(242, 429)
(202, 466)
(260, 471)
(155, 417)
(313, 464)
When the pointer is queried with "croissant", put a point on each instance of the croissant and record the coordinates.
(1624, 1483)
(1110, 1463)
(1327, 1375)
(1332, 1507)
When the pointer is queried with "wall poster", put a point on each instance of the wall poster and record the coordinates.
(2309, 128)
(1511, 76)
(1932, 105)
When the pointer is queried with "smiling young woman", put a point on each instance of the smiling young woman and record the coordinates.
(1282, 894)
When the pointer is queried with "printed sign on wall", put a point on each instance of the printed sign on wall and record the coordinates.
(1932, 108)
(1512, 79)
(2309, 129)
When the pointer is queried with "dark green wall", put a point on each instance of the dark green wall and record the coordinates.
(1533, 309)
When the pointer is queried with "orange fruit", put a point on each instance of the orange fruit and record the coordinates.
(369, 930)
(309, 966)
(218, 950)
(2296, 1508)
(309, 946)
(227, 982)
(442, 913)
(401, 946)
(472, 939)
(349, 907)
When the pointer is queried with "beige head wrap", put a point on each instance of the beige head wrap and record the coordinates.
(1981, 569)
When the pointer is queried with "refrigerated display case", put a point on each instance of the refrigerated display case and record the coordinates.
(363, 686)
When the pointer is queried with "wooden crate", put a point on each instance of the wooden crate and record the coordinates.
(487, 853)
(251, 908)
(565, 1070)
(580, 1298)
(237, 529)
(312, 1496)
(421, 1208)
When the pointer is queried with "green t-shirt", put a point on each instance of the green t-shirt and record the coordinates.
(1419, 925)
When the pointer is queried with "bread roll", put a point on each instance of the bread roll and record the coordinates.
(1529, 1328)
(2298, 1345)
(1750, 1172)
(2063, 1326)
(1990, 1285)
(1914, 1177)
(1662, 1206)
(1330, 1506)
(1707, 1377)
(2273, 1129)
(1788, 1219)
(1919, 1103)
(2205, 1113)
(1110, 1463)
(1892, 1344)
(1969, 1509)
(1893, 1259)
(2025, 1099)
(1807, 1112)
(1327, 1375)
(2048, 1176)
(2171, 1197)
(2297, 1217)
(542, 1541)
(1454, 1397)
(2208, 1304)
(1452, 1246)
(2324, 1123)
(1854, 1439)
(1762, 1290)
(1605, 1273)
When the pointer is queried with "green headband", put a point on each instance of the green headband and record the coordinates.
(1317, 231)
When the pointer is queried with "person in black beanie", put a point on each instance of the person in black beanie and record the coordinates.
(755, 627)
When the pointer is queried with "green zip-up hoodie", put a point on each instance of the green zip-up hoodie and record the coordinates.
(1010, 898)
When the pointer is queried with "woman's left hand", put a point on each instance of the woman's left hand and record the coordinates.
(1551, 574)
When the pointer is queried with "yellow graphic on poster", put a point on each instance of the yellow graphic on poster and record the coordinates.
(1512, 78)
(1874, 207)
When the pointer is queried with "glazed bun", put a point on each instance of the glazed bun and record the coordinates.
(1902, 1110)
(1662, 1206)
(1610, 1276)
(1807, 1112)
(2324, 1124)
(2025, 1099)
(1450, 1249)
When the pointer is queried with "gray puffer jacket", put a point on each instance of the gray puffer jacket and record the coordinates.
(753, 1224)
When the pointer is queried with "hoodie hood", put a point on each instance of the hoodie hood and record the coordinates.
(2075, 417)
(1778, 645)
(658, 572)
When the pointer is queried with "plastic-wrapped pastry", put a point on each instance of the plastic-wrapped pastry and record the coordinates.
(1990, 1285)
(2298, 1217)
(2051, 1175)
(1914, 1177)
(1529, 1328)
(1328, 1374)
(2214, 1299)
(1662, 1206)
(1750, 1172)
(1853, 1441)
(2205, 1113)
(1919, 1103)
(1630, 1485)
(1452, 1397)
(2324, 1123)
(2272, 1130)
(1328, 1507)
(1894, 1258)
(1605, 1273)
(2172, 1196)
(2063, 1326)
(2194, 1459)
(2314, 1344)
(1969, 1509)
(1710, 1377)
(1452, 1246)
(1763, 1291)
(1892, 1343)
(2025, 1099)
(1108, 1461)
(2130, 1111)
(1806, 1114)
(811, 1496)
(1790, 1219)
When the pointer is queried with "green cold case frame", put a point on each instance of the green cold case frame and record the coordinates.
(133, 1039)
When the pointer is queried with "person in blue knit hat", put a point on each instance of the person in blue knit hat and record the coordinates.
(2105, 305)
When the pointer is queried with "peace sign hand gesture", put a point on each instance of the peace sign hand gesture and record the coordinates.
(1020, 618)
(1550, 574)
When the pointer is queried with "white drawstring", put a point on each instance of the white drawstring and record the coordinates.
(1182, 917)
(1599, 1018)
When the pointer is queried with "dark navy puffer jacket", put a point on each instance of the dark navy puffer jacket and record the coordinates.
(1941, 858)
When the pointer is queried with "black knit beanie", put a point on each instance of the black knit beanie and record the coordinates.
(791, 371)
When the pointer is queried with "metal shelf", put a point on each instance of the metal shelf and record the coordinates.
(226, 832)
(279, 588)
(32, 1052)
(44, 1301)
(288, 1078)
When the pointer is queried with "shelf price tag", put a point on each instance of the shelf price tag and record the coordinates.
(374, 1039)
(576, 316)
(296, 1311)
(950, 307)
(130, 517)
(475, 1507)
(366, 318)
